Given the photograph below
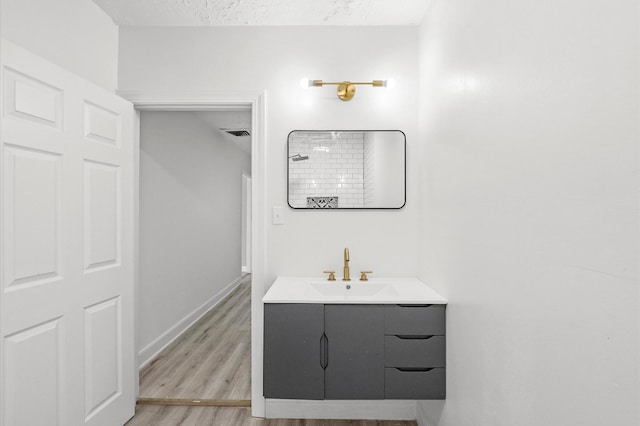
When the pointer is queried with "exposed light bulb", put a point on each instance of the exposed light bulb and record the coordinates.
(305, 83)
(389, 83)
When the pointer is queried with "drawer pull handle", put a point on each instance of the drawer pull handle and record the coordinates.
(414, 369)
(413, 306)
(412, 337)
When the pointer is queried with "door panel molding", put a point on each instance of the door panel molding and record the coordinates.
(31, 99)
(33, 371)
(103, 368)
(102, 215)
(102, 125)
(32, 216)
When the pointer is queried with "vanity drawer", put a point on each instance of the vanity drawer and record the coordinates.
(408, 384)
(421, 320)
(414, 352)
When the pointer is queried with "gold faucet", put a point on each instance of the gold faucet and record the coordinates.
(346, 265)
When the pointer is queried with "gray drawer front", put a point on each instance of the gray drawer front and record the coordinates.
(414, 320)
(429, 352)
(415, 384)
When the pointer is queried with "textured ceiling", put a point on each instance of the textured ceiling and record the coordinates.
(264, 12)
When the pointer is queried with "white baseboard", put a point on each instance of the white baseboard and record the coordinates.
(149, 352)
(347, 409)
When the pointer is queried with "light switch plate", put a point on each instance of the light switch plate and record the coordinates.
(277, 215)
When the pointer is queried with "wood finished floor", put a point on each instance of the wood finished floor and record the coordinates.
(223, 416)
(212, 360)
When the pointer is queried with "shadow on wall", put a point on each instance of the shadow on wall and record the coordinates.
(431, 411)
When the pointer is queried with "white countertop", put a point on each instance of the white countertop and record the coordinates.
(374, 291)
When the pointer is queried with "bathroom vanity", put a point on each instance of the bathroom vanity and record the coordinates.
(379, 339)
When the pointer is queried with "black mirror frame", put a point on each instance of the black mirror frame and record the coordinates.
(351, 208)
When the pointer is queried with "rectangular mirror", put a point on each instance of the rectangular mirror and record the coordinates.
(346, 169)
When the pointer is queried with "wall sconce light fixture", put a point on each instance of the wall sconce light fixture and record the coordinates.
(347, 89)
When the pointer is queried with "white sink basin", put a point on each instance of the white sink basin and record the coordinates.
(376, 290)
(354, 289)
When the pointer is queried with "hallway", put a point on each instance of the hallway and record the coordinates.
(211, 360)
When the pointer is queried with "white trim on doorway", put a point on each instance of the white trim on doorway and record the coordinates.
(246, 223)
(212, 101)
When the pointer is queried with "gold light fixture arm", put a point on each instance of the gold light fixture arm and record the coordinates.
(374, 83)
(347, 89)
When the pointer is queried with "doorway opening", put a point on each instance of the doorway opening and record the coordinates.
(254, 240)
(194, 300)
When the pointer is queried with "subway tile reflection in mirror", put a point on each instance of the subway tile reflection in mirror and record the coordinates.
(360, 169)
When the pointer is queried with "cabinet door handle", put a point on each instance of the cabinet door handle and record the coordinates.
(324, 343)
(413, 306)
(326, 351)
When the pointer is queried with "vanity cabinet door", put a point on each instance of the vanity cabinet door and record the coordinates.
(293, 339)
(355, 349)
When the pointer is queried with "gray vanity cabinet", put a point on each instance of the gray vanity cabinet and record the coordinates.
(315, 351)
(358, 351)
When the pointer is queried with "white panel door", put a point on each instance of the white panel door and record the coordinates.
(66, 257)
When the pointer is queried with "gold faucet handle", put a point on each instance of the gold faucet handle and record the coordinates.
(363, 275)
(332, 275)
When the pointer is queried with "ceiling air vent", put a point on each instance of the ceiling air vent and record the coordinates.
(237, 132)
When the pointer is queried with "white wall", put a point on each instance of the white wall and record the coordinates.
(529, 113)
(275, 59)
(74, 34)
(190, 222)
